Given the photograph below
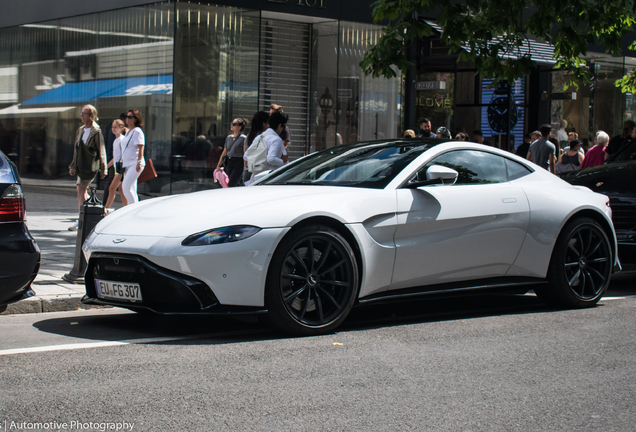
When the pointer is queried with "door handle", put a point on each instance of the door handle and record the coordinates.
(509, 200)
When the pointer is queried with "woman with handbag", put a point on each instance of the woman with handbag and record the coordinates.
(258, 126)
(234, 149)
(118, 128)
(89, 155)
(133, 161)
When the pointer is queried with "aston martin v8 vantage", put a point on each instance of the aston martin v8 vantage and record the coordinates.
(355, 224)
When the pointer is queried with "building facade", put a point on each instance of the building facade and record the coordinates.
(451, 94)
(190, 68)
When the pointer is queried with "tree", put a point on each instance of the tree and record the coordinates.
(484, 31)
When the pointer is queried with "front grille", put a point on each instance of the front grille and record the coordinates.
(162, 290)
(623, 216)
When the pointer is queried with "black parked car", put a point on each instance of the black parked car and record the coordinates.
(616, 178)
(19, 254)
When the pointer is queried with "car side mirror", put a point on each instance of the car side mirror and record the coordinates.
(436, 174)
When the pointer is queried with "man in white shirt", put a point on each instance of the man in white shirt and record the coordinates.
(273, 141)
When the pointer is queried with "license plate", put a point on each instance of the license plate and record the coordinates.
(127, 291)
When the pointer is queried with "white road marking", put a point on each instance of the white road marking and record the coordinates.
(101, 344)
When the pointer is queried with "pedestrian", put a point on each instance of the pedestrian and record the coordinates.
(89, 156)
(461, 136)
(118, 128)
(542, 152)
(258, 125)
(409, 133)
(274, 143)
(285, 135)
(618, 141)
(112, 137)
(596, 155)
(133, 154)
(571, 159)
(442, 132)
(522, 150)
(234, 150)
(478, 137)
(425, 126)
(561, 134)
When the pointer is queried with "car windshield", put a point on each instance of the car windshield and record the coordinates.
(627, 153)
(371, 165)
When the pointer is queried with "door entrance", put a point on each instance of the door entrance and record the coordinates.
(285, 65)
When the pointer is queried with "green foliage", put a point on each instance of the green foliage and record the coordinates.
(486, 31)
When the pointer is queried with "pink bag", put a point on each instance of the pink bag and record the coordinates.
(221, 177)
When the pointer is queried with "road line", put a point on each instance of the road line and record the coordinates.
(102, 344)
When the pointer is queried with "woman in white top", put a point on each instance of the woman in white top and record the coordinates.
(133, 154)
(118, 128)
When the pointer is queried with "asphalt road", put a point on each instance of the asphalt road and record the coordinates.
(488, 363)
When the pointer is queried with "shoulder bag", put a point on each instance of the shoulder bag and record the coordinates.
(256, 156)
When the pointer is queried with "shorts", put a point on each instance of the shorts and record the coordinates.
(85, 183)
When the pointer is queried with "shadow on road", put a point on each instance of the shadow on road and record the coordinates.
(121, 325)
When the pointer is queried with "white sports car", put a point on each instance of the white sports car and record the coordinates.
(356, 224)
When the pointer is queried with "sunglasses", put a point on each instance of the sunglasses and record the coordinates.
(130, 117)
(235, 124)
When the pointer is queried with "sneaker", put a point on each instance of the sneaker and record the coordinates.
(74, 227)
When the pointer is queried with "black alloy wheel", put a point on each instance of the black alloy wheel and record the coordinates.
(581, 265)
(312, 281)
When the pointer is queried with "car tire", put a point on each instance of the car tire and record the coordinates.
(580, 267)
(312, 282)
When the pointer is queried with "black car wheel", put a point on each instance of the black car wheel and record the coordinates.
(580, 267)
(312, 281)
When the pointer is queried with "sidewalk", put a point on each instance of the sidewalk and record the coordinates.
(51, 209)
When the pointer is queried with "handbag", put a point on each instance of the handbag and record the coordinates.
(87, 162)
(256, 156)
(148, 173)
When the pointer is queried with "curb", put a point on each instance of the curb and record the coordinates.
(37, 304)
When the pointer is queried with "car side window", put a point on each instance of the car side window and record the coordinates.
(516, 170)
(473, 166)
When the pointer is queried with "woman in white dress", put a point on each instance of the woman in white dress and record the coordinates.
(133, 154)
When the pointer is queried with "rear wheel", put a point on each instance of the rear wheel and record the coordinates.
(580, 267)
(312, 281)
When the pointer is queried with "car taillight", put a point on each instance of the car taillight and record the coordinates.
(12, 205)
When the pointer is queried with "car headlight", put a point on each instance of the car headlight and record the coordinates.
(221, 235)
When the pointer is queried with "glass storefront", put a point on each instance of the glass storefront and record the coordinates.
(216, 81)
(113, 60)
(190, 69)
(600, 105)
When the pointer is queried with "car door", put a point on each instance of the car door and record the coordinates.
(470, 230)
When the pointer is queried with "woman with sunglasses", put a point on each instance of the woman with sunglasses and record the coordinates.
(234, 149)
(133, 161)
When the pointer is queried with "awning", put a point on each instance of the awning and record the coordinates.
(15, 111)
(540, 52)
(87, 91)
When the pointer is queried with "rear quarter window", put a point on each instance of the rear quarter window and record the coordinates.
(6, 173)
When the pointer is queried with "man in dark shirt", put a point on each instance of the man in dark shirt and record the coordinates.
(425, 125)
(522, 150)
(617, 142)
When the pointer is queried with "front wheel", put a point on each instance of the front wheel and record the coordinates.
(580, 267)
(312, 281)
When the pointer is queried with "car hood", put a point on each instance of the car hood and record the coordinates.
(262, 206)
(608, 179)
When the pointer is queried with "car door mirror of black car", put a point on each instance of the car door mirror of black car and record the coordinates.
(435, 175)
